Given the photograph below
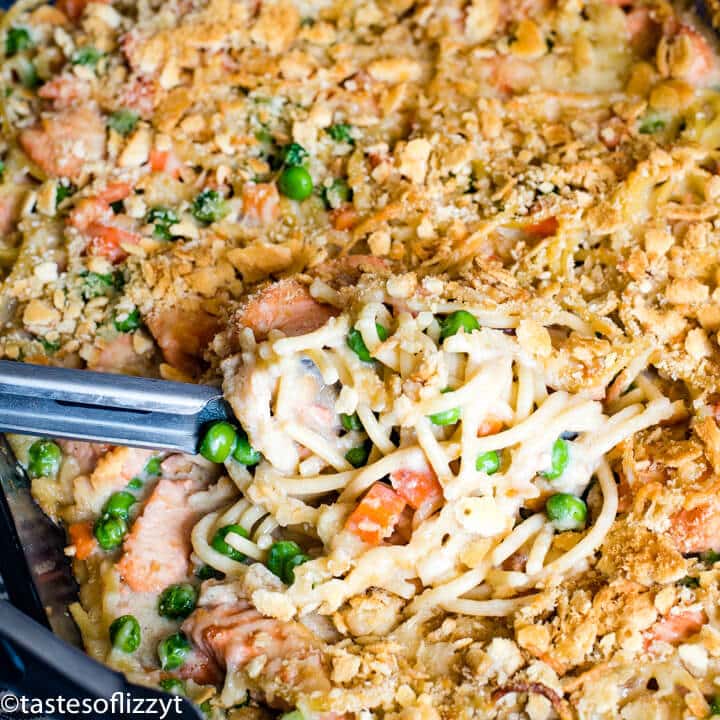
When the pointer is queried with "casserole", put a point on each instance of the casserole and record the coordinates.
(455, 266)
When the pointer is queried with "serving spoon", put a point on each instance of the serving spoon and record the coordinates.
(103, 407)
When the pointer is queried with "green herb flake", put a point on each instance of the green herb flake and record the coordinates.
(16, 40)
(88, 56)
(341, 132)
(123, 121)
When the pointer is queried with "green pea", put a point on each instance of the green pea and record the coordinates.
(209, 207)
(488, 462)
(341, 132)
(566, 512)
(162, 219)
(205, 572)
(219, 441)
(174, 686)
(351, 422)
(135, 484)
(97, 284)
(357, 344)
(119, 505)
(689, 581)
(446, 417)
(177, 601)
(715, 705)
(16, 40)
(44, 457)
(453, 323)
(294, 715)
(559, 461)
(110, 531)
(173, 651)
(279, 553)
(289, 569)
(244, 452)
(358, 456)
(651, 123)
(294, 155)
(710, 557)
(206, 708)
(88, 55)
(127, 322)
(337, 194)
(125, 633)
(152, 468)
(63, 190)
(295, 182)
(218, 542)
(123, 121)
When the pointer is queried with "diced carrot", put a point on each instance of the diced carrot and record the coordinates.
(490, 426)
(344, 217)
(676, 628)
(417, 488)
(377, 514)
(165, 161)
(107, 240)
(543, 228)
(158, 160)
(114, 192)
(81, 535)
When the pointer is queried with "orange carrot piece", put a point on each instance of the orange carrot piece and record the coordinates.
(106, 241)
(377, 514)
(165, 161)
(81, 535)
(543, 228)
(490, 426)
(114, 192)
(344, 218)
(417, 488)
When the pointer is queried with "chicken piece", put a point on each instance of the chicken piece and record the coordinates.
(63, 143)
(677, 627)
(234, 633)
(86, 454)
(156, 552)
(65, 91)
(287, 306)
(113, 472)
(183, 334)
(118, 356)
(10, 203)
